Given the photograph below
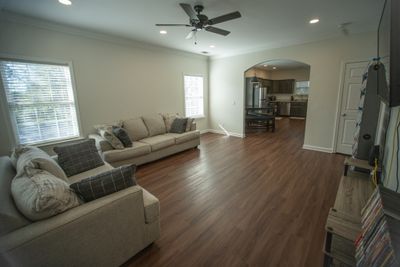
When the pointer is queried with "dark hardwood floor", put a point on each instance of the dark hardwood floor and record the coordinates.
(257, 201)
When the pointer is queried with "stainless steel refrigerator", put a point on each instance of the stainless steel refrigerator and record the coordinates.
(256, 95)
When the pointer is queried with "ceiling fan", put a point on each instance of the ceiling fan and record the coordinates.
(201, 22)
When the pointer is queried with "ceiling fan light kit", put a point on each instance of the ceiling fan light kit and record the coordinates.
(199, 21)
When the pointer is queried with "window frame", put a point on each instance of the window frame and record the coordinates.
(184, 95)
(11, 127)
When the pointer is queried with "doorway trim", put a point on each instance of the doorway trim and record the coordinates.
(243, 135)
(340, 98)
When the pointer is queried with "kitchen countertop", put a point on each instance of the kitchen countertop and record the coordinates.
(289, 101)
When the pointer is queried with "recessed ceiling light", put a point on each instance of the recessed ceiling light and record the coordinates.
(212, 46)
(65, 2)
(163, 32)
(274, 68)
(313, 21)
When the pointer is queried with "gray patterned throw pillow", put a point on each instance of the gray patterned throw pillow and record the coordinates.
(179, 125)
(105, 183)
(123, 136)
(78, 157)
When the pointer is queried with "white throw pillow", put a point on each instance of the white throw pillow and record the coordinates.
(108, 135)
(31, 160)
(42, 195)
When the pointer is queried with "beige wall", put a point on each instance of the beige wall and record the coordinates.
(324, 57)
(263, 74)
(302, 74)
(115, 79)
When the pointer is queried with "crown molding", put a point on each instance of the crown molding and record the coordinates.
(11, 17)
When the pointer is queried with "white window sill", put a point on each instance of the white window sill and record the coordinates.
(56, 142)
(197, 117)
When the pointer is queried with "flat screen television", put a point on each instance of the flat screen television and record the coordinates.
(389, 53)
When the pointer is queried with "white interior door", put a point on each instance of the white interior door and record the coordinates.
(352, 85)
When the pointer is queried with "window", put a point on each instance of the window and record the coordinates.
(194, 102)
(40, 101)
(302, 87)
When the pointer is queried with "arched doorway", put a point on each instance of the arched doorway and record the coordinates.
(276, 94)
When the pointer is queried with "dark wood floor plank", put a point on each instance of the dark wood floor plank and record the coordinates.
(257, 201)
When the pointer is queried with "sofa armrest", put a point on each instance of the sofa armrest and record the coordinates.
(81, 235)
(193, 127)
(101, 143)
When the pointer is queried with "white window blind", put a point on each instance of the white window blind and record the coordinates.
(40, 101)
(194, 102)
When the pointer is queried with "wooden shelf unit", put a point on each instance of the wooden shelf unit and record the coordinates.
(344, 219)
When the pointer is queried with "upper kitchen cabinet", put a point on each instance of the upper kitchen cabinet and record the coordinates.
(282, 86)
(266, 83)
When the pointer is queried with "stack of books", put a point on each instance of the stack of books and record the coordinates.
(379, 241)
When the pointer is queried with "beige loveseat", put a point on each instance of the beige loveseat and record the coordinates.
(151, 141)
(104, 232)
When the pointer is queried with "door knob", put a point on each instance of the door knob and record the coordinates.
(344, 115)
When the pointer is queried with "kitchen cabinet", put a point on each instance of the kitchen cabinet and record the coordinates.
(266, 83)
(298, 109)
(286, 86)
(274, 86)
(282, 86)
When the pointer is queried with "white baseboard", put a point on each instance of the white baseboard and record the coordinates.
(221, 132)
(204, 131)
(318, 148)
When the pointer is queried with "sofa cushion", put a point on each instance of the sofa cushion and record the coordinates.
(151, 207)
(110, 139)
(77, 177)
(159, 141)
(101, 143)
(10, 218)
(136, 129)
(189, 124)
(168, 119)
(178, 125)
(99, 127)
(184, 137)
(42, 195)
(105, 183)
(30, 160)
(137, 149)
(155, 124)
(78, 157)
(113, 140)
(123, 136)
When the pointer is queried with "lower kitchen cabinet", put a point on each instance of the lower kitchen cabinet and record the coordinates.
(298, 109)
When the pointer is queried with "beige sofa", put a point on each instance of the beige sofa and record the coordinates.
(104, 232)
(151, 141)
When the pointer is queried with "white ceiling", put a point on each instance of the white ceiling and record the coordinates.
(264, 23)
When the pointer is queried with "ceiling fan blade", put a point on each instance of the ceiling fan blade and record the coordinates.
(223, 18)
(189, 10)
(217, 30)
(190, 35)
(185, 25)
